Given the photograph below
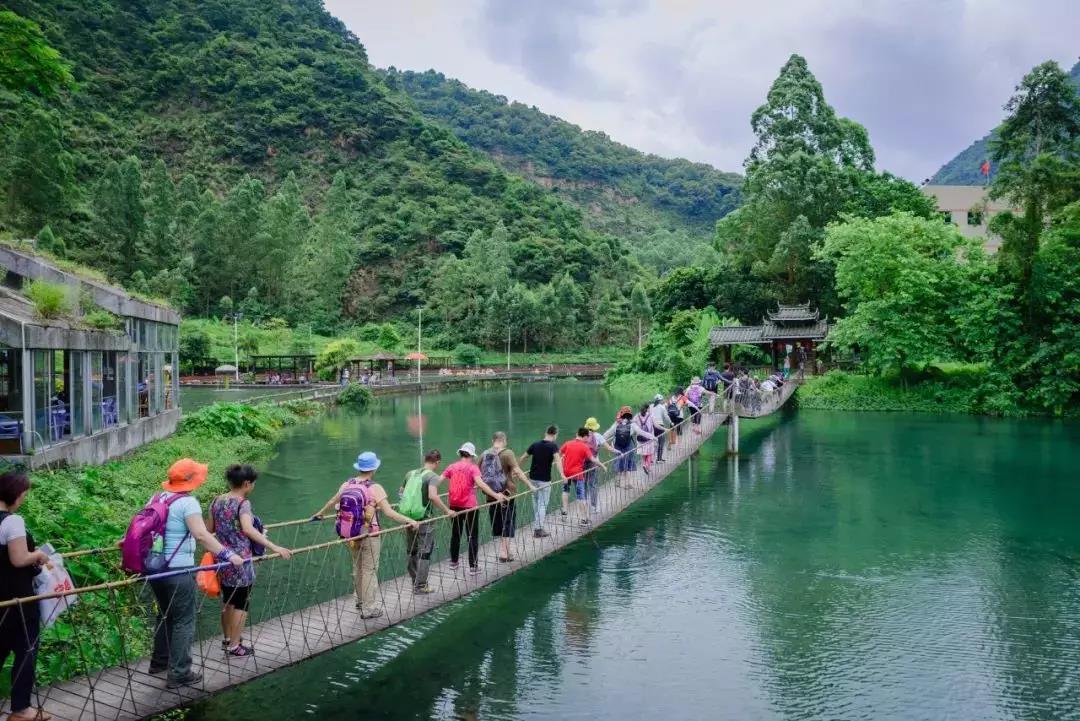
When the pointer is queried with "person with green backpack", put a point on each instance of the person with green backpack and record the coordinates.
(418, 494)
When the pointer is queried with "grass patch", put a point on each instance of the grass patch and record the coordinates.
(638, 387)
(936, 388)
(50, 300)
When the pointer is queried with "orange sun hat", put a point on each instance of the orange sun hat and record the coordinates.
(185, 475)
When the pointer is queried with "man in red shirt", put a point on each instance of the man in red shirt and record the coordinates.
(574, 454)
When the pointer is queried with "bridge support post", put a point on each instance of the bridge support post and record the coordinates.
(733, 435)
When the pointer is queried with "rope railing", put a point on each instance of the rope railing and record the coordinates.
(747, 400)
(305, 605)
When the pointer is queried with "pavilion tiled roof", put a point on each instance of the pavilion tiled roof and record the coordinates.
(735, 334)
(816, 331)
(795, 313)
(788, 322)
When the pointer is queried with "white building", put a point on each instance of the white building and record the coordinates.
(969, 209)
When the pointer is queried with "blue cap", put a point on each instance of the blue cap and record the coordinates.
(367, 461)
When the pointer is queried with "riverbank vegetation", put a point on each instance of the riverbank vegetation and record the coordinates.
(945, 388)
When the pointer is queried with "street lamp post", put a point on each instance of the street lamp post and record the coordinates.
(419, 335)
(236, 344)
(507, 348)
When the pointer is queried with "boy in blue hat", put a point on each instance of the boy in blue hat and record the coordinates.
(367, 544)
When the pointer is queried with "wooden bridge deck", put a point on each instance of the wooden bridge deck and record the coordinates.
(131, 692)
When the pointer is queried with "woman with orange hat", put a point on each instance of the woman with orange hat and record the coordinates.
(175, 593)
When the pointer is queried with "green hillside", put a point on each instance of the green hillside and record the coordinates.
(964, 168)
(246, 149)
(649, 200)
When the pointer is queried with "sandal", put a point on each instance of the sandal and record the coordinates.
(508, 559)
(241, 651)
(30, 714)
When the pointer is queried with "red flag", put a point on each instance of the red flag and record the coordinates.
(985, 168)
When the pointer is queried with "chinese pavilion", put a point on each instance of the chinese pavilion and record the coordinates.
(784, 331)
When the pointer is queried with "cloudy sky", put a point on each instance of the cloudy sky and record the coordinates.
(681, 77)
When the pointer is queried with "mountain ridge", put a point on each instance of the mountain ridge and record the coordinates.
(964, 168)
(622, 190)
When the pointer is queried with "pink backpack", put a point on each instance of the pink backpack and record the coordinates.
(141, 551)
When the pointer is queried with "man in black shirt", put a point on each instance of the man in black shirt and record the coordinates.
(545, 454)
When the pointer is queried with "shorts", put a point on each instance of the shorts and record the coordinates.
(625, 462)
(503, 519)
(580, 483)
(236, 596)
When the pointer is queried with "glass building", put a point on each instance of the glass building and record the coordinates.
(76, 394)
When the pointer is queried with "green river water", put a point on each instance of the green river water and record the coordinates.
(847, 566)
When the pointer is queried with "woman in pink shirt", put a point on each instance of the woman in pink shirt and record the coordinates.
(464, 477)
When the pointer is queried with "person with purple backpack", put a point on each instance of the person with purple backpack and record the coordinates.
(695, 395)
(176, 593)
(359, 501)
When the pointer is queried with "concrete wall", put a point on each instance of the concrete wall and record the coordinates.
(106, 444)
(40, 337)
(111, 299)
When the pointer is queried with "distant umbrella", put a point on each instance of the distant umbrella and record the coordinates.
(416, 356)
(225, 369)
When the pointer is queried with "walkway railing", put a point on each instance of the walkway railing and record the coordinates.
(301, 607)
(748, 401)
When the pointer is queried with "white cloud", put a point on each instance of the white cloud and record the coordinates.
(681, 77)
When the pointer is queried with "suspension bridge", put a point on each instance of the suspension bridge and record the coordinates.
(94, 665)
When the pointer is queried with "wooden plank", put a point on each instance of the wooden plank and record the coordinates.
(117, 694)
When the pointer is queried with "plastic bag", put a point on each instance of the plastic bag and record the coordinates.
(207, 581)
(53, 578)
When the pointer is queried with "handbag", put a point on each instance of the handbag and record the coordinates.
(53, 578)
(207, 581)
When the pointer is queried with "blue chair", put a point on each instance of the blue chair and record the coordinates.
(59, 421)
(11, 434)
(110, 415)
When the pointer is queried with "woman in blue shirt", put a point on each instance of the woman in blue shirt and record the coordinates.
(174, 631)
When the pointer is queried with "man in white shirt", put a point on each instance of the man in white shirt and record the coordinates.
(661, 424)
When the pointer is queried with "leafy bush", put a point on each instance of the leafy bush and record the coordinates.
(194, 343)
(336, 355)
(302, 408)
(369, 332)
(230, 420)
(389, 338)
(356, 395)
(466, 354)
(102, 320)
(51, 300)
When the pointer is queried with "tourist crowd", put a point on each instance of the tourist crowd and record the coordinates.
(161, 541)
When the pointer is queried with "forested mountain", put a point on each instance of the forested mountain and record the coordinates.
(666, 208)
(964, 168)
(246, 149)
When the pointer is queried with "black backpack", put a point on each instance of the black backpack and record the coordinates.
(623, 438)
(673, 412)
